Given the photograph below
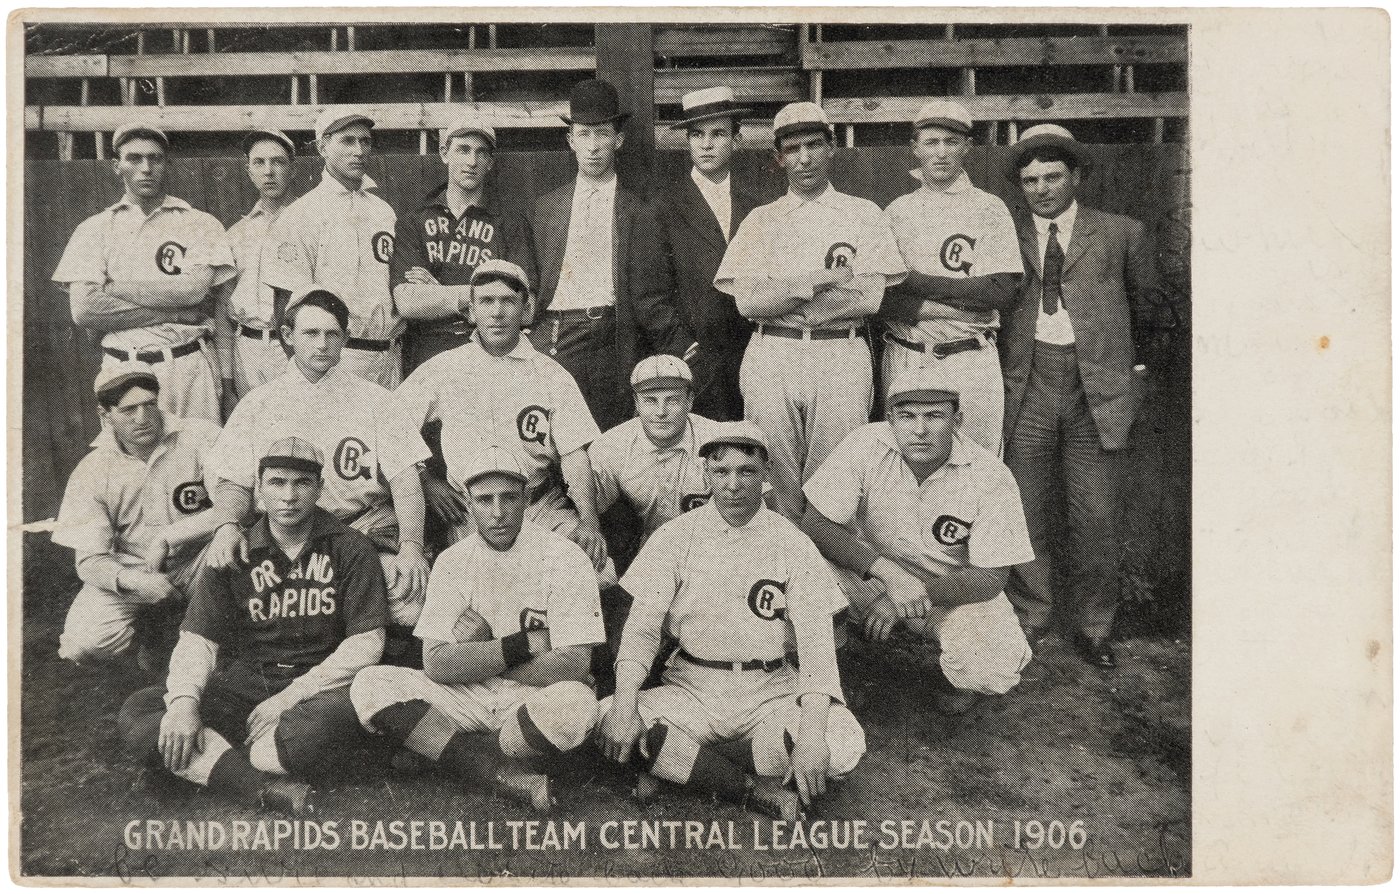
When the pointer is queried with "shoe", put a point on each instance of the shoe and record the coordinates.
(286, 796)
(957, 702)
(1035, 633)
(409, 763)
(1096, 651)
(769, 798)
(524, 788)
(647, 788)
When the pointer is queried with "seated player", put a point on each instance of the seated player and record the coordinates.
(732, 581)
(508, 628)
(135, 514)
(258, 682)
(923, 525)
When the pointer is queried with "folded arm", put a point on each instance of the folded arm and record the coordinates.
(94, 307)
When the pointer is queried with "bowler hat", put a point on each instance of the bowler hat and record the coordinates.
(1045, 135)
(594, 102)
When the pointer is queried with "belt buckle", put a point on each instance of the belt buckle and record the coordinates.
(806, 333)
(600, 308)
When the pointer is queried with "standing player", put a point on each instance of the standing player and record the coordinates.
(293, 627)
(597, 254)
(438, 246)
(808, 269)
(498, 390)
(140, 271)
(511, 618)
(135, 513)
(372, 451)
(924, 526)
(695, 220)
(340, 236)
(964, 268)
(250, 348)
(733, 581)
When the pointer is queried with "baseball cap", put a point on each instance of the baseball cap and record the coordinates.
(921, 384)
(292, 453)
(300, 295)
(743, 433)
(661, 371)
(139, 129)
(467, 123)
(334, 118)
(117, 375)
(944, 113)
(253, 137)
(800, 117)
(493, 460)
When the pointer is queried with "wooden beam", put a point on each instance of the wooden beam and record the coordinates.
(750, 84)
(865, 54)
(387, 116)
(174, 65)
(681, 43)
(1039, 107)
(65, 67)
(626, 59)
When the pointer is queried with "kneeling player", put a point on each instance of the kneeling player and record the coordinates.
(729, 580)
(508, 627)
(293, 629)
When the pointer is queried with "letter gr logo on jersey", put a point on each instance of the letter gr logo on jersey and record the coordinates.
(533, 619)
(169, 256)
(533, 424)
(382, 244)
(351, 459)
(950, 531)
(768, 599)
(190, 497)
(840, 255)
(956, 253)
(693, 501)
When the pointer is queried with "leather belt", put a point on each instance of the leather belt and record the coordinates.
(183, 350)
(812, 334)
(259, 334)
(752, 664)
(946, 349)
(370, 344)
(596, 312)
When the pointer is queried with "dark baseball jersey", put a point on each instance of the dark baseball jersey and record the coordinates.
(451, 247)
(292, 612)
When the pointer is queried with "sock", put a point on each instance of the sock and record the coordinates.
(472, 755)
(398, 721)
(234, 775)
(713, 772)
(738, 752)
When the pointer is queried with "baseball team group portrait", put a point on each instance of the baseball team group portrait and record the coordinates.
(558, 450)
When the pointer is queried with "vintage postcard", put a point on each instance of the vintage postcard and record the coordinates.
(753, 446)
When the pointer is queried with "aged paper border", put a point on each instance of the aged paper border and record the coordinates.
(1292, 691)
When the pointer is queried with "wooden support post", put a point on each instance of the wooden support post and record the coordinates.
(209, 38)
(491, 36)
(626, 59)
(422, 142)
(991, 133)
(296, 90)
(335, 39)
(850, 136)
(447, 86)
(315, 90)
(1117, 69)
(84, 92)
(1158, 129)
(817, 75)
(350, 38)
(1128, 86)
(65, 146)
(1012, 132)
(467, 93)
(99, 146)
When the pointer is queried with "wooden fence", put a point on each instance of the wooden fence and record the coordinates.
(60, 360)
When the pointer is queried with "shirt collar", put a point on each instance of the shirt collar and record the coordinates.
(960, 455)
(686, 443)
(606, 188)
(107, 438)
(706, 185)
(322, 523)
(709, 518)
(791, 201)
(522, 350)
(1064, 223)
(490, 202)
(960, 184)
(259, 211)
(166, 203)
(336, 188)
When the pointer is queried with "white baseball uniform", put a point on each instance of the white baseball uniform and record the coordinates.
(113, 506)
(959, 232)
(968, 513)
(258, 356)
(809, 392)
(658, 483)
(122, 244)
(343, 239)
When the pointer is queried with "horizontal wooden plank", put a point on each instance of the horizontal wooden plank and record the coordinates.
(1036, 107)
(867, 54)
(681, 43)
(65, 66)
(387, 116)
(749, 84)
(346, 63)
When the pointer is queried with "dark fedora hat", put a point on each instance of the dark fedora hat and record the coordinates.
(1045, 135)
(594, 102)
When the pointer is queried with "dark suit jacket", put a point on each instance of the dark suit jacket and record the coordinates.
(1106, 283)
(646, 319)
(692, 247)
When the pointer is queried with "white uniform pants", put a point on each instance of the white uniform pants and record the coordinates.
(381, 520)
(381, 367)
(256, 361)
(100, 624)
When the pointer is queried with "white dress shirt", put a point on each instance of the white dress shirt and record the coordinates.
(586, 274)
(716, 196)
(1056, 328)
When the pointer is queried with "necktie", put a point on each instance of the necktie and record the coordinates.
(1050, 273)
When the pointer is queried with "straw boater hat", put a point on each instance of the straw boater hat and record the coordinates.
(712, 102)
(594, 102)
(1045, 135)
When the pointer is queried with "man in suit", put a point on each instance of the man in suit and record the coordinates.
(595, 254)
(1072, 389)
(695, 218)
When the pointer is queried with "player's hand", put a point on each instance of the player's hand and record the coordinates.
(621, 729)
(811, 762)
(880, 619)
(410, 573)
(445, 502)
(265, 716)
(228, 549)
(420, 276)
(157, 551)
(906, 591)
(471, 628)
(149, 587)
(591, 539)
(181, 734)
(539, 641)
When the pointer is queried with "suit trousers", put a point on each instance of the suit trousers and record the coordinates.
(587, 348)
(1055, 435)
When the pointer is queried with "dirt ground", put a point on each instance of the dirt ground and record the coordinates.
(1093, 768)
